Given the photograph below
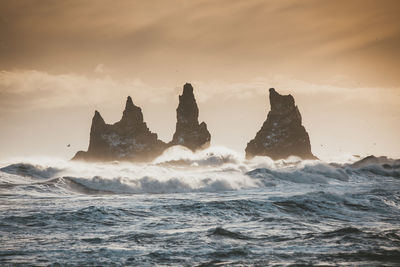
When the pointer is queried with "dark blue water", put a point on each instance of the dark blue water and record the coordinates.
(215, 210)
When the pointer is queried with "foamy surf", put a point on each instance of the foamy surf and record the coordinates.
(179, 170)
(218, 206)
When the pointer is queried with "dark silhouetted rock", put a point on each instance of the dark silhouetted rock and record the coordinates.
(282, 134)
(189, 132)
(129, 139)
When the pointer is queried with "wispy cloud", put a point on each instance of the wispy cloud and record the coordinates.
(32, 89)
(314, 38)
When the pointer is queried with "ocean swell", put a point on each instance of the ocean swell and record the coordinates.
(179, 170)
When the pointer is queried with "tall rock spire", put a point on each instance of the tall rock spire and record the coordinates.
(96, 143)
(132, 114)
(189, 132)
(129, 139)
(282, 134)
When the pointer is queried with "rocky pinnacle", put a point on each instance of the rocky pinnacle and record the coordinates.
(282, 134)
(189, 132)
(128, 139)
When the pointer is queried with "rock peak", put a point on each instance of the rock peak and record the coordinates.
(281, 103)
(282, 134)
(97, 118)
(128, 139)
(189, 132)
(187, 89)
(129, 103)
(132, 114)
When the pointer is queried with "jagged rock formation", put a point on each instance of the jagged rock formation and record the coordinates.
(189, 132)
(129, 139)
(282, 134)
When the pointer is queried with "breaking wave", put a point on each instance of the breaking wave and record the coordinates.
(30, 170)
(179, 170)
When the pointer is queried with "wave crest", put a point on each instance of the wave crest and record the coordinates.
(31, 170)
(123, 185)
(180, 170)
(213, 156)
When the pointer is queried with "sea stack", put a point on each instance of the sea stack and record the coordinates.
(129, 139)
(189, 132)
(282, 134)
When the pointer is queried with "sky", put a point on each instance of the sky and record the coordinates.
(61, 60)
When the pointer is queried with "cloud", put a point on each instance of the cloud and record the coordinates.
(258, 87)
(102, 69)
(315, 38)
(32, 89)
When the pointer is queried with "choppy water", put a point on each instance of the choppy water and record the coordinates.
(212, 208)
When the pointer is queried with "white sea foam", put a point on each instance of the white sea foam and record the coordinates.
(181, 170)
(210, 156)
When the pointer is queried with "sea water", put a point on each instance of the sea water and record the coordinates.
(203, 209)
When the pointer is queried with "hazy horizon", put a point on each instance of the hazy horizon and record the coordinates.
(60, 61)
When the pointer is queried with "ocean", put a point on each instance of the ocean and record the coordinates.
(212, 208)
